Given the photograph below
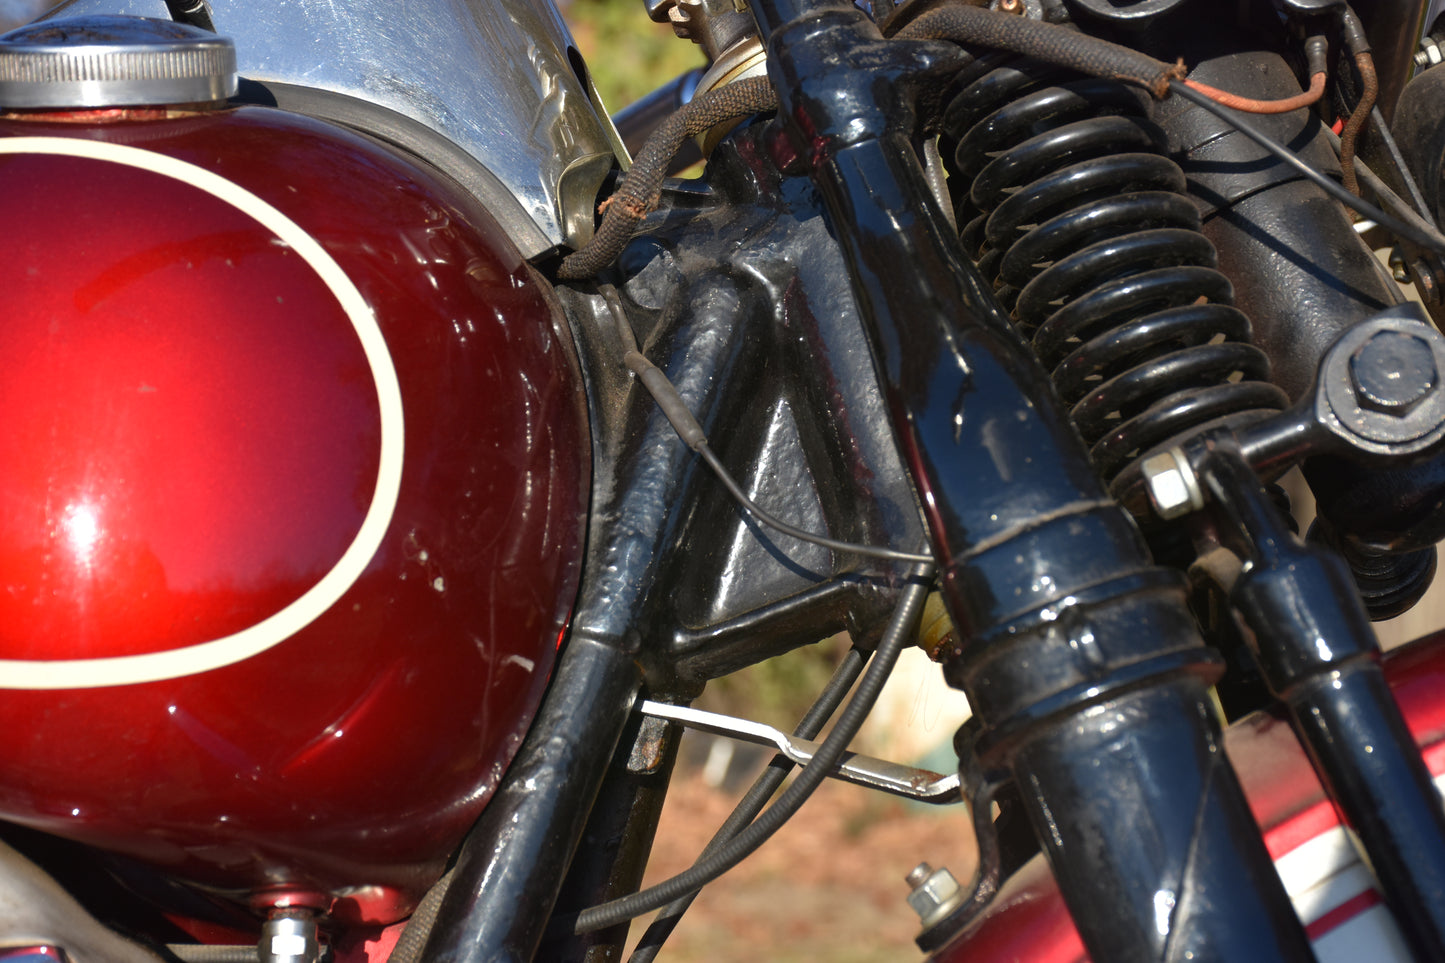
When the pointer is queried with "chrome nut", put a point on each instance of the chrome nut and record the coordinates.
(1173, 487)
(935, 894)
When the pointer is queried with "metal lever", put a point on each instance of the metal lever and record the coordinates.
(890, 777)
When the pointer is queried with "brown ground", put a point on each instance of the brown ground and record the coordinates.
(829, 886)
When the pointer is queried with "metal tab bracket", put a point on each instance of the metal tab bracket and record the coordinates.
(890, 777)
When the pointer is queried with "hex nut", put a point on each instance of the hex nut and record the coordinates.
(1393, 372)
(1173, 488)
(935, 894)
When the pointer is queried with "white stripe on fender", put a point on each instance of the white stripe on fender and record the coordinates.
(1325, 873)
(271, 631)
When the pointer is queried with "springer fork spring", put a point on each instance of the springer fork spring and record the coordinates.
(1072, 209)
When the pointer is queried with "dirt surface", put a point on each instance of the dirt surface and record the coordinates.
(829, 886)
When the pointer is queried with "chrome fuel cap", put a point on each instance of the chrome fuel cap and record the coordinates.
(113, 61)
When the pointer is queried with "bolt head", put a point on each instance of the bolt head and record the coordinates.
(918, 875)
(1393, 372)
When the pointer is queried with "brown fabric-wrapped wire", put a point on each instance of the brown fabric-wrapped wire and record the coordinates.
(1349, 136)
(640, 189)
(1044, 41)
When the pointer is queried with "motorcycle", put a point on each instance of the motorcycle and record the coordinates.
(391, 460)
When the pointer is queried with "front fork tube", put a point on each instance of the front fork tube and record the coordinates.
(1079, 658)
(1314, 645)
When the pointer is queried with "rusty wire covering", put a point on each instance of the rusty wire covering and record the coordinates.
(640, 189)
(1046, 41)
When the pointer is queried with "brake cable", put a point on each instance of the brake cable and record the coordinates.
(756, 798)
(709, 867)
(675, 409)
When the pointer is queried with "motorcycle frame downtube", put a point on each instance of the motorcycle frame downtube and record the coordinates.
(1079, 657)
(512, 864)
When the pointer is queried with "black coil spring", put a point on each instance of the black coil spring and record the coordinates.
(1073, 211)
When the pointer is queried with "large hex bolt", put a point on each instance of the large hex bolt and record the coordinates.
(1393, 372)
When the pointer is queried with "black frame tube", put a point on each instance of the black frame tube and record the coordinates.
(513, 862)
(1313, 642)
(1080, 658)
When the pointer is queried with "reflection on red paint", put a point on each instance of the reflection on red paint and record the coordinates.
(193, 440)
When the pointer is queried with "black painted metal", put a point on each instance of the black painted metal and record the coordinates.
(1297, 268)
(612, 853)
(1314, 644)
(739, 295)
(1421, 134)
(1304, 277)
(645, 485)
(1064, 621)
(810, 436)
(512, 862)
(1086, 231)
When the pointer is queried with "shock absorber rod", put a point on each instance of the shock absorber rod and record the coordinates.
(1313, 642)
(1078, 656)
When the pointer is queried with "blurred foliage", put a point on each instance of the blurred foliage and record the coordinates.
(629, 55)
(779, 691)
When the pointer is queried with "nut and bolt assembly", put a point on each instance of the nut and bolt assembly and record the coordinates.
(1393, 372)
(935, 894)
(290, 936)
(1173, 487)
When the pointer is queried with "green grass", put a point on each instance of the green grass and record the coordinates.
(629, 55)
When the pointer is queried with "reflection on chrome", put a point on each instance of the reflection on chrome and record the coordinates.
(1163, 908)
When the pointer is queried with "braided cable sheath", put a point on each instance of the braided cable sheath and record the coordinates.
(639, 191)
(1251, 106)
(1049, 42)
(1369, 91)
(207, 953)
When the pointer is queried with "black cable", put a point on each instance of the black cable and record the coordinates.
(756, 798)
(675, 409)
(1388, 196)
(1397, 160)
(1393, 224)
(708, 868)
(730, 483)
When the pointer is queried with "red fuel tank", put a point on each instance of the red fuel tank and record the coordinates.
(293, 470)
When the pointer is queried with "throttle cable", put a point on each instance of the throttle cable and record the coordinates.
(756, 798)
(675, 409)
(709, 867)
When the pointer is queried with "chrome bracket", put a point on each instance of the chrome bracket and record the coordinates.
(921, 785)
